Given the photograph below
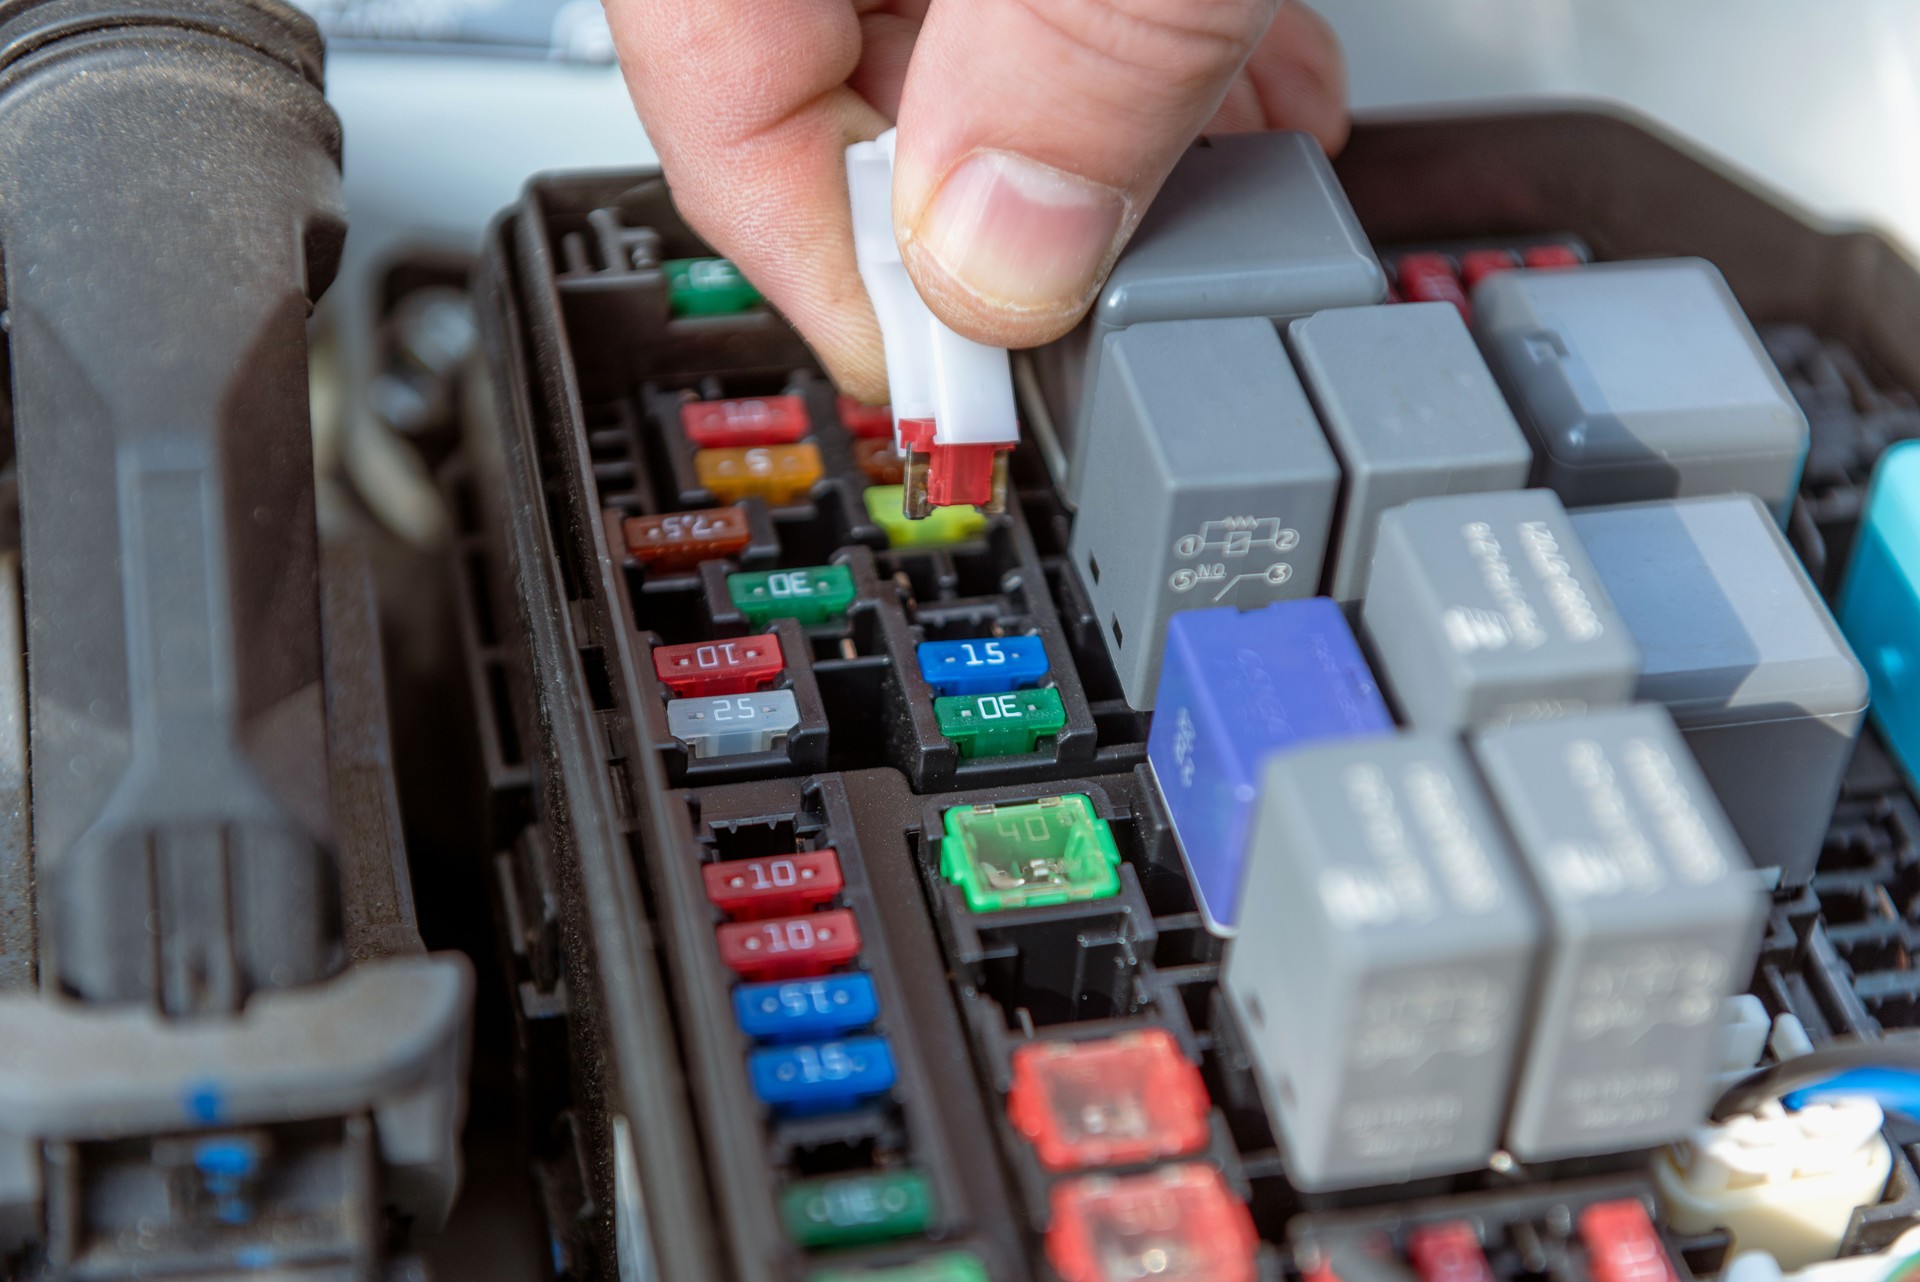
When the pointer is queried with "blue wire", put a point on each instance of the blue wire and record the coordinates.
(1894, 1090)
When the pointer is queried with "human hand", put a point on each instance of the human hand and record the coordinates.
(1033, 134)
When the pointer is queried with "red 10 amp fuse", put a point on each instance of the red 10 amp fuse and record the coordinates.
(719, 667)
(775, 886)
(1132, 1098)
(871, 422)
(761, 420)
(1176, 1224)
(1448, 1252)
(1622, 1244)
(789, 947)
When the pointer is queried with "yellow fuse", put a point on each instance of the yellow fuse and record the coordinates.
(941, 526)
(780, 474)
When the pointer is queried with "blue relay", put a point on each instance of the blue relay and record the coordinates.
(988, 666)
(796, 1009)
(819, 1077)
(1880, 605)
(1237, 687)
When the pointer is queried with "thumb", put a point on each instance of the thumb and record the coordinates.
(1033, 133)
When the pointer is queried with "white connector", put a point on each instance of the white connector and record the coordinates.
(953, 410)
(1779, 1182)
(1758, 1266)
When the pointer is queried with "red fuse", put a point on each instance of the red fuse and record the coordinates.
(1550, 257)
(719, 667)
(1429, 278)
(880, 462)
(1448, 1252)
(1132, 1098)
(748, 889)
(760, 420)
(871, 421)
(1622, 1245)
(1478, 264)
(1175, 1224)
(681, 540)
(790, 947)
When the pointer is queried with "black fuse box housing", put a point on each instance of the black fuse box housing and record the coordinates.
(652, 1140)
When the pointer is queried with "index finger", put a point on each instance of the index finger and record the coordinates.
(747, 103)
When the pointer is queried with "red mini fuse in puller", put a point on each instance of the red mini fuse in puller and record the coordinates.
(739, 666)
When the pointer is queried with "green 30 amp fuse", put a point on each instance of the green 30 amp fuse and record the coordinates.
(843, 1210)
(1000, 725)
(1026, 854)
(816, 594)
(958, 1266)
(707, 287)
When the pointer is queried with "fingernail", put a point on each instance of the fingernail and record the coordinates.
(1018, 233)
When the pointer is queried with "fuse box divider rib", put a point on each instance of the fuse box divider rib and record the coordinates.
(617, 994)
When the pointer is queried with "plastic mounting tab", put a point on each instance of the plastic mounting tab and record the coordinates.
(953, 412)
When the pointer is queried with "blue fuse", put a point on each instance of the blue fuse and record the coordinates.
(819, 1077)
(1235, 688)
(1880, 604)
(795, 1009)
(990, 666)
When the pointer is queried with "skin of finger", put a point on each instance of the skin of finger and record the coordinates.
(1300, 78)
(747, 104)
(887, 41)
(1110, 90)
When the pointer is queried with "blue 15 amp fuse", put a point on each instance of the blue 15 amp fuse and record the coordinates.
(1235, 688)
(819, 1077)
(990, 665)
(795, 1009)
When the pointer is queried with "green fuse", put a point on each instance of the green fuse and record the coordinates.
(813, 595)
(707, 287)
(938, 528)
(957, 1267)
(845, 1210)
(1000, 725)
(1029, 853)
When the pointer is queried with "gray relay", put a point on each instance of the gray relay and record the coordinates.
(1212, 485)
(1654, 917)
(1738, 645)
(1642, 380)
(1411, 410)
(1484, 607)
(1246, 225)
(1382, 967)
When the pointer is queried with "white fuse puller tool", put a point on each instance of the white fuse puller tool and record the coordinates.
(953, 414)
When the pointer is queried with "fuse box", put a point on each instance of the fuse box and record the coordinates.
(925, 978)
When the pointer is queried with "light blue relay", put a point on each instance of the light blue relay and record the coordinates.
(989, 665)
(1880, 605)
(1236, 688)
